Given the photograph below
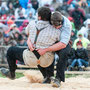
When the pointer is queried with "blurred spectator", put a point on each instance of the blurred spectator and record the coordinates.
(44, 2)
(21, 15)
(55, 4)
(3, 10)
(11, 9)
(30, 17)
(73, 36)
(35, 4)
(8, 41)
(3, 19)
(81, 57)
(64, 7)
(30, 9)
(16, 34)
(11, 17)
(84, 41)
(20, 19)
(85, 30)
(63, 13)
(21, 41)
(3, 27)
(60, 1)
(12, 29)
(78, 15)
(1, 36)
(24, 35)
(16, 4)
(4, 4)
(84, 6)
(24, 25)
(71, 56)
(10, 22)
(18, 10)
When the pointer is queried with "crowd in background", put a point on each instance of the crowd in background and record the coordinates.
(16, 14)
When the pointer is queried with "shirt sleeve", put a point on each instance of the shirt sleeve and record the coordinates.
(65, 33)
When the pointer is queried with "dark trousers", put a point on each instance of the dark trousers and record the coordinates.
(47, 72)
(62, 62)
(13, 54)
(60, 67)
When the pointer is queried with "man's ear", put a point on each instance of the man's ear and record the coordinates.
(39, 17)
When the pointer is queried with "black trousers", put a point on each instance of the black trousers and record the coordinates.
(13, 54)
(16, 53)
(60, 67)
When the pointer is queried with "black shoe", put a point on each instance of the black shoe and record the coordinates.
(55, 82)
(7, 73)
(47, 80)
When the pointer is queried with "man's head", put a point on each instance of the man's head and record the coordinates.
(57, 19)
(44, 14)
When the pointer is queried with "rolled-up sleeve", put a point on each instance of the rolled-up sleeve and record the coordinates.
(65, 32)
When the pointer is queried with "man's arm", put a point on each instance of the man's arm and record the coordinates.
(55, 47)
(64, 39)
(30, 45)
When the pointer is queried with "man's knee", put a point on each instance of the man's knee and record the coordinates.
(10, 50)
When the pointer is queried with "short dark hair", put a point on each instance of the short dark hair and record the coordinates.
(56, 18)
(44, 13)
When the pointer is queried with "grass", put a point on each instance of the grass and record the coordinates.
(70, 75)
(18, 75)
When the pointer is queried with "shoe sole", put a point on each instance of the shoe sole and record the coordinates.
(54, 85)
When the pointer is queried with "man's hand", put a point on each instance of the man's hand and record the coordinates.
(31, 48)
(41, 51)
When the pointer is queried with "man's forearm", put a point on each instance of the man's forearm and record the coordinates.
(30, 45)
(56, 47)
